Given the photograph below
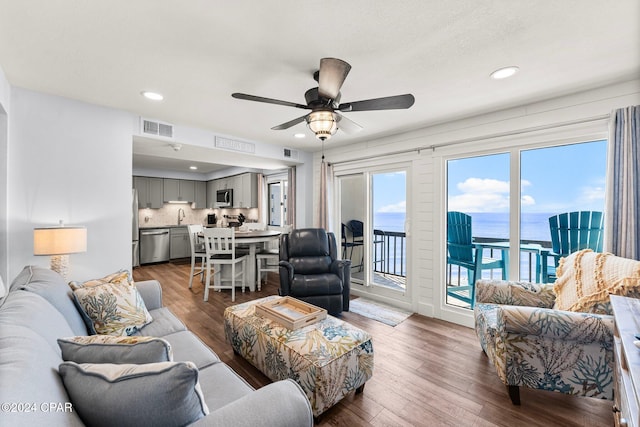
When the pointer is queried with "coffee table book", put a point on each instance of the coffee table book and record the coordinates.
(290, 312)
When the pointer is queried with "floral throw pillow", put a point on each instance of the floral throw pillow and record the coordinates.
(113, 304)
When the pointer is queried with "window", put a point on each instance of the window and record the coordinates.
(549, 180)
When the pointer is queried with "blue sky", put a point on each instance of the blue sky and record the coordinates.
(554, 179)
(390, 192)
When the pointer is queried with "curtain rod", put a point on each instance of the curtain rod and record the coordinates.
(481, 138)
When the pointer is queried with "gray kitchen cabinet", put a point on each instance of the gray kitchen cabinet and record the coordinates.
(179, 190)
(224, 183)
(171, 190)
(244, 186)
(150, 192)
(180, 246)
(211, 193)
(200, 199)
(245, 191)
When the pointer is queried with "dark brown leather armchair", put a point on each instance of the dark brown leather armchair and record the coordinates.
(310, 270)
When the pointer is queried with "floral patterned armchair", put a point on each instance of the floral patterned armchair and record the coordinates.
(533, 345)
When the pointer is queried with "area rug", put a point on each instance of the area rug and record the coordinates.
(378, 311)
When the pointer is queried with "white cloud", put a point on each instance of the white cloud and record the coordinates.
(479, 202)
(591, 194)
(485, 195)
(527, 200)
(397, 207)
(480, 185)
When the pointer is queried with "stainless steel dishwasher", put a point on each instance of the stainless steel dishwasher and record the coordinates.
(154, 245)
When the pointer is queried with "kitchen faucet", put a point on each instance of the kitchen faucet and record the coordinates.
(180, 218)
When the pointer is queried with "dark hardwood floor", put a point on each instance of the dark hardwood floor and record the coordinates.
(427, 372)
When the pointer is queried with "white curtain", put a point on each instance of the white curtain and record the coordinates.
(263, 200)
(291, 197)
(622, 204)
(326, 192)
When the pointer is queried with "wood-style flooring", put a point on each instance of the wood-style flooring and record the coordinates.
(427, 372)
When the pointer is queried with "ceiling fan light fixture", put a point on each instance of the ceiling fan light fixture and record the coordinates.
(322, 123)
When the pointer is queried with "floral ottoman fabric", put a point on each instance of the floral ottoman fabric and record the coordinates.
(328, 359)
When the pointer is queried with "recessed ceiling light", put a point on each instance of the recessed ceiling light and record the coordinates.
(193, 167)
(299, 135)
(154, 96)
(504, 72)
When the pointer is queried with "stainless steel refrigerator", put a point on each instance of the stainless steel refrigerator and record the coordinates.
(135, 231)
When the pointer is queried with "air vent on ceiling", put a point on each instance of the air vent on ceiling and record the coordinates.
(290, 154)
(150, 127)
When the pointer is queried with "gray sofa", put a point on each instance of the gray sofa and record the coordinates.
(38, 309)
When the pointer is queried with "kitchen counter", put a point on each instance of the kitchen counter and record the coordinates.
(146, 227)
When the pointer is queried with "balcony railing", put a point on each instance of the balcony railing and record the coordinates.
(530, 264)
(389, 251)
(389, 255)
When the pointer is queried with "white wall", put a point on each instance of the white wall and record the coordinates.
(5, 90)
(72, 161)
(471, 135)
(306, 204)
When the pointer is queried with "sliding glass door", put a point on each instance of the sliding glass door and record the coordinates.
(373, 216)
(388, 243)
(499, 206)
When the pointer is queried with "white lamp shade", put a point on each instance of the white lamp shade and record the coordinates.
(59, 240)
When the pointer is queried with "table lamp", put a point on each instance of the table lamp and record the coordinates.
(59, 242)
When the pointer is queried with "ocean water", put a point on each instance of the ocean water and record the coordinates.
(534, 226)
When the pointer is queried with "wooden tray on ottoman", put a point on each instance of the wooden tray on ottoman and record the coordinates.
(290, 312)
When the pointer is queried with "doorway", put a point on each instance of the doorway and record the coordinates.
(373, 218)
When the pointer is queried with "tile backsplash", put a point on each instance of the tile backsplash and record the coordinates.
(168, 215)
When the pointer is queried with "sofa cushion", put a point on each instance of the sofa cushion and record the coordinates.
(52, 287)
(164, 323)
(22, 308)
(151, 394)
(188, 347)
(586, 279)
(29, 374)
(113, 304)
(234, 386)
(115, 349)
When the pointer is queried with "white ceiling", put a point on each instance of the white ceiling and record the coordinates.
(198, 52)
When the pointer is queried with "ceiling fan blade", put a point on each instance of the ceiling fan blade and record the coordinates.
(347, 125)
(396, 102)
(333, 71)
(290, 123)
(268, 100)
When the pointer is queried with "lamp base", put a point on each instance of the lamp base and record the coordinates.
(60, 264)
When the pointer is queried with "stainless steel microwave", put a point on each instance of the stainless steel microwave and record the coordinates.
(224, 198)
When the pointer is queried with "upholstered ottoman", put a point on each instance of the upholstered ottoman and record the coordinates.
(328, 359)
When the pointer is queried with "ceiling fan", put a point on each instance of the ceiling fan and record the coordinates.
(324, 102)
